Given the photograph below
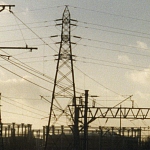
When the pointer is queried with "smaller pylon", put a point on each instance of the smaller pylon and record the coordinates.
(1, 128)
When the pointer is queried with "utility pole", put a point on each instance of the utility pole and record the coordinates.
(85, 143)
(120, 120)
(64, 85)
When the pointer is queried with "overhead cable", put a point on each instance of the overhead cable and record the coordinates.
(33, 32)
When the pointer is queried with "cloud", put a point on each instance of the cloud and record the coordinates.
(124, 58)
(142, 77)
(18, 88)
(142, 45)
(21, 97)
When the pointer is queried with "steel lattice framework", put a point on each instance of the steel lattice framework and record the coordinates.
(114, 112)
(64, 85)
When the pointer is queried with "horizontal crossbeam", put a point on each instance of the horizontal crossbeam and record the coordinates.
(7, 5)
(4, 6)
(115, 112)
(31, 48)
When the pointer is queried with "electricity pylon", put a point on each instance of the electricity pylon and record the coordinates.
(1, 129)
(1, 125)
(64, 85)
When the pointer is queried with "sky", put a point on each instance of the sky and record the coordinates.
(112, 56)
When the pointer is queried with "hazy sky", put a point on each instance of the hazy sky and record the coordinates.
(112, 56)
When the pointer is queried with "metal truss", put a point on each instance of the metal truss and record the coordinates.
(64, 93)
(115, 112)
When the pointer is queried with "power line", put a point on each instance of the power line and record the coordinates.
(33, 32)
(20, 114)
(22, 98)
(104, 30)
(39, 9)
(24, 105)
(45, 26)
(98, 82)
(30, 68)
(17, 65)
(100, 41)
(25, 58)
(109, 62)
(37, 22)
(102, 47)
(37, 61)
(25, 79)
(115, 66)
(23, 108)
(44, 56)
(25, 39)
(21, 31)
(105, 26)
(97, 47)
(111, 14)
(34, 75)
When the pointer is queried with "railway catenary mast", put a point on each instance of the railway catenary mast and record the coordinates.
(1, 128)
(64, 85)
(7, 47)
(1, 125)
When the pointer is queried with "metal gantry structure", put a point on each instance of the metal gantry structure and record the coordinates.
(88, 114)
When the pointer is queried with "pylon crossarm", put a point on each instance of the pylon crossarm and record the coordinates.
(26, 47)
(4, 6)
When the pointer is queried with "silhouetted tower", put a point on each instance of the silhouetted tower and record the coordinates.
(64, 85)
(2, 7)
(1, 129)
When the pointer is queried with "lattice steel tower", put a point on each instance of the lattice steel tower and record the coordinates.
(64, 85)
(1, 129)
